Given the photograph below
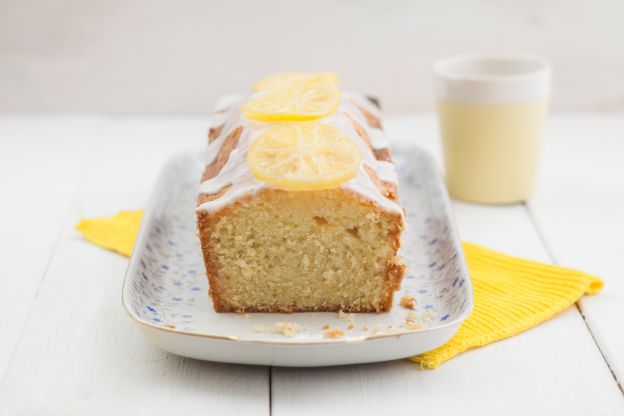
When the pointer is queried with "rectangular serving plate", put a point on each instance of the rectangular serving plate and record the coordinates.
(166, 292)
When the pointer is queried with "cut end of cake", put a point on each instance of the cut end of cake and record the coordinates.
(283, 251)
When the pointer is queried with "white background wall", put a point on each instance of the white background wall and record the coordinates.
(150, 56)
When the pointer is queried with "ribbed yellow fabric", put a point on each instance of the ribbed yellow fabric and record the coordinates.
(510, 294)
(117, 233)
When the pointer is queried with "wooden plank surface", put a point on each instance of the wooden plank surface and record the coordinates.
(79, 353)
(41, 160)
(579, 207)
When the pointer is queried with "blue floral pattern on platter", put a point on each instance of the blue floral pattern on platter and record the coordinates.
(166, 284)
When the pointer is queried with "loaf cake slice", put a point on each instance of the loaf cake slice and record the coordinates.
(270, 248)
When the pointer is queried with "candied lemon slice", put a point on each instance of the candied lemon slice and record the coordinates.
(304, 157)
(289, 78)
(293, 103)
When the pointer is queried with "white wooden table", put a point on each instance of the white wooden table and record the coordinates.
(67, 347)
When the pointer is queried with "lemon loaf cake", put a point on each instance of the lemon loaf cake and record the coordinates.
(298, 207)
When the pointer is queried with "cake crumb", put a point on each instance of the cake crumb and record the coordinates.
(408, 301)
(289, 329)
(259, 328)
(364, 327)
(326, 326)
(413, 325)
(334, 333)
(427, 316)
(350, 326)
(346, 317)
(411, 316)
(243, 314)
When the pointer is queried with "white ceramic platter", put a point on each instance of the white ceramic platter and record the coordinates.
(166, 293)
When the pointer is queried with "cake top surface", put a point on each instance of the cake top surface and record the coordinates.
(352, 144)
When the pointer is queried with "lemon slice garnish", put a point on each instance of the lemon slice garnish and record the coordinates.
(304, 157)
(295, 102)
(289, 78)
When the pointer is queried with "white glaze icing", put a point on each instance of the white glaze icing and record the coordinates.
(219, 119)
(377, 138)
(236, 171)
(227, 101)
(386, 172)
(361, 101)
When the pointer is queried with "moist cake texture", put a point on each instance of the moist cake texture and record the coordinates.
(268, 249)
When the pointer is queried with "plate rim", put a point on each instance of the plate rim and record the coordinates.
(150, 208)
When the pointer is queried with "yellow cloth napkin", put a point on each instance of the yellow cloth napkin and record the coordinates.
(510, 294)
(117, 233)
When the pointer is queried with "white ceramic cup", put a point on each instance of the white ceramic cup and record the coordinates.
(491, 110)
